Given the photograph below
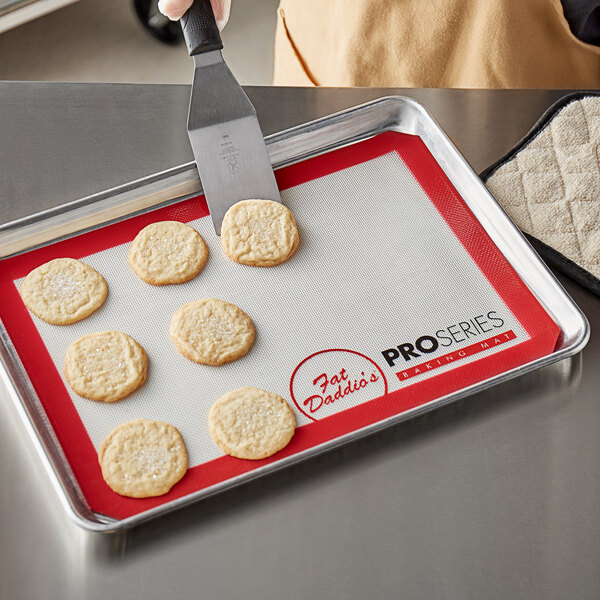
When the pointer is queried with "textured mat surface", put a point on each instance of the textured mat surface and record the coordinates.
(549, 184)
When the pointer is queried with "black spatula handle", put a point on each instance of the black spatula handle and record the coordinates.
(200, 29)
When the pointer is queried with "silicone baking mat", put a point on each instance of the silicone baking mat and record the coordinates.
(395, 297)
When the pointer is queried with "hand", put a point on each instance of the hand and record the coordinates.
(175, 9)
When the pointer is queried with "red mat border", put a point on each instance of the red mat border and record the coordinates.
(67, 424)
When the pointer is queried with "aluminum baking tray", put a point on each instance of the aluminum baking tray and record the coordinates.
(335, 140)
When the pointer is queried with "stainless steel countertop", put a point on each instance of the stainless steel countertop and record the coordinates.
(496, 496)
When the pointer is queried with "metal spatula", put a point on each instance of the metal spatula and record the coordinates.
(226, 139)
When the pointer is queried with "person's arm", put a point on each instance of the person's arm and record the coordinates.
(583, 17)
(175, 9)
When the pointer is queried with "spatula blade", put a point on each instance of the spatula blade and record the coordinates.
(226, 139)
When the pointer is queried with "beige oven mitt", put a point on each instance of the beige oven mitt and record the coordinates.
(549, 184)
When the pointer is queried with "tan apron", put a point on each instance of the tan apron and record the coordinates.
(431, 43)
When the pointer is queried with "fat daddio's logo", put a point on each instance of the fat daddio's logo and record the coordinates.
(331, 381)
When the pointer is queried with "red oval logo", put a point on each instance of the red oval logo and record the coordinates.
(330, 381)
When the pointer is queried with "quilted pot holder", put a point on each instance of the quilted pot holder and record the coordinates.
(549, 184)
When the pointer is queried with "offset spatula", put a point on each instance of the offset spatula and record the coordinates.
(226, 139)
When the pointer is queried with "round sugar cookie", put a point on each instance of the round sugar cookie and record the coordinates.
(167, 252)
(260, 233)
(251, 423)
(105, 366)
(143, 458)
(212, 332)
(63, 291)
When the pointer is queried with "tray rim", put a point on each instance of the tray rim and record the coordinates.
(395, 113)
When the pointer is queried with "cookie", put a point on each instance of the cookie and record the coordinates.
(251, 423)
(167, 252)
(63, 291)
(105, 366)
(143, 458)
(212, 332)
(260, 233)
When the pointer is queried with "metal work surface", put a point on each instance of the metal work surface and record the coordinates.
(493, 497)
(17, 12)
